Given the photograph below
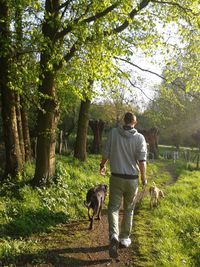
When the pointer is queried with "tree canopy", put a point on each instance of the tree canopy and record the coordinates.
(57, 49)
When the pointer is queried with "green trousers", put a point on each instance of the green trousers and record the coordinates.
(125, 189)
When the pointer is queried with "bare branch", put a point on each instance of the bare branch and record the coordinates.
(141, 90)
(175, 83)
(185, 9)
(142, 69)
(135, 86)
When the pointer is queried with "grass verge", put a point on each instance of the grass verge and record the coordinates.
(169, 235)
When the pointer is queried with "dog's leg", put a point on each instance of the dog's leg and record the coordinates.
(151, 203)
(157, 198)
(99, 210)
(151, 200)
(91, 224)
(156, 201)
(92, 220)
(89, 217)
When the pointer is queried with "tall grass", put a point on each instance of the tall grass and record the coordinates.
(172, 237)
(25, 211)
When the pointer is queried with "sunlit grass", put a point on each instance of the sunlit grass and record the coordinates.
(173, 237)
(165, 236)
(25, 210)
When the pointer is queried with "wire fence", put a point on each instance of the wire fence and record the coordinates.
(189, 156)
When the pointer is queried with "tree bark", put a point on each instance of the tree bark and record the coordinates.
(46, 133)
(22, 118)
(151, 136)
(19, 125)
(97, 128)
(12, 149)
(26, 134)
(81, 138)
(48, 115)
(60, 142)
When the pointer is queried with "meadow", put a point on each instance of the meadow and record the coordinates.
(166, 236)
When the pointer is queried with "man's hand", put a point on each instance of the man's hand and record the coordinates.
(102, 171)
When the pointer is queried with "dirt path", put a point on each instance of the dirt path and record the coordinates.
(171, 170)
(75, 245)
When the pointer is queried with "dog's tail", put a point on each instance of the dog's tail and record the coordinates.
(87, 204)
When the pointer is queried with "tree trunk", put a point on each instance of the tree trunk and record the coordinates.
(19, 125)
(26, 134)
(60, 142)
(13, 156)
(46, 134)
(97, 128)
(151, 136)
(81, 138)
(49, 114)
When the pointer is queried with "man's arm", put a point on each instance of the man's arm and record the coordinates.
(142, 167)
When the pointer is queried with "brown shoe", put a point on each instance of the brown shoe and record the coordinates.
(113, 247)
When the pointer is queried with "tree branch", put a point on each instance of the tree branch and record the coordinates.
(132, 14)
(101, 14)
(65, 31)
(71, 52)
(135, 86)
(65, 5)
(87, 20)
(66, 57)
(160, 76)
(136, 66)
(175, 4)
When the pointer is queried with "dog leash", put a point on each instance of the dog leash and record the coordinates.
(143, 192)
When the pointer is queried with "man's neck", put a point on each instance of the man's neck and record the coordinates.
(128, 126)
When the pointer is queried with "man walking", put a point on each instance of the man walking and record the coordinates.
(126, 151)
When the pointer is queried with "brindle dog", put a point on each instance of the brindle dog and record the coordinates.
(94, 201)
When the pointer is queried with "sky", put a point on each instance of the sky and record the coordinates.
(146, 83)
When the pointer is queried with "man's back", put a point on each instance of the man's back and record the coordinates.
(124, 148)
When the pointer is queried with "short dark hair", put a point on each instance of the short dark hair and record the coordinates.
(129, 117)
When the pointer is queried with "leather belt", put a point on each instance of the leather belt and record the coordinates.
(125, 176)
